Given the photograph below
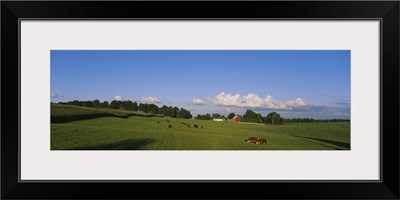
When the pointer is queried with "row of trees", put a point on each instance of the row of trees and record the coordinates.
(207, 116)
(204, 117)
(170, 111)
(272, 118)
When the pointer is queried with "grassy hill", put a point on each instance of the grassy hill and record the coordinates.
(68, 113)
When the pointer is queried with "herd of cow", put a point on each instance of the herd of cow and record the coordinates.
(184, 123)
(190, 126)
(254, 140)
(250, 140)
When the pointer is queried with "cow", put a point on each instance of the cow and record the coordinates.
(262, 141)
(195, 125)
(167, 120)
(158, 122)
(170, 126)
(184, 123)
(251, 140)
(201, 127)
(189, 126)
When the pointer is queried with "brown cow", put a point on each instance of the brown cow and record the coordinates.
(167, 120)
(195, 125)
(251, 140)
(189, 126)
(201, 127)
(184, 123)
(262, 141)
(170, 126)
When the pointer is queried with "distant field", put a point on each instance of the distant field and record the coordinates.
(106, 129)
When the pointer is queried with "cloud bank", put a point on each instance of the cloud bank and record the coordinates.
(254, 101)
(197, 101)
(54, 96)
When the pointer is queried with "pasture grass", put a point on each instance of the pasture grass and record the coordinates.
(133, 132)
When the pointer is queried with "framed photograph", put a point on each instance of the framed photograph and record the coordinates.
(223, 96)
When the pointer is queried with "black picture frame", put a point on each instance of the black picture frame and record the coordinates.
(386, 11)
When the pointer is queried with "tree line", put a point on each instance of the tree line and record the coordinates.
(169, 111)
(272, 118)
(250, 116)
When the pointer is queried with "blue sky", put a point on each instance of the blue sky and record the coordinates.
(298, 83)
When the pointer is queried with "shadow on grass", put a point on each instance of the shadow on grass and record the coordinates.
(340, 144)
(129, 144)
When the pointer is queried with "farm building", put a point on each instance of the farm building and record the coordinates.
(235, 119)
(218, 120)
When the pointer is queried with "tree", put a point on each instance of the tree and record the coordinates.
(75, 103)
(250, 114)
(260, 118)
(96, 103)
(120, 105)
(113, 104)
(135, 106)
(86, 103)
(216, 116)
(128, 105)
(164, 110)
(153, 108)
(231, 115)
(274, 118)
(182, 113)
(204, 117)
(142, 107)
(105, 104)
(175, 111)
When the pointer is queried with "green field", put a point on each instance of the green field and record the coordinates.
(79, 128)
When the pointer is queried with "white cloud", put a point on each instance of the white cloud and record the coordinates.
(254, 101)
(118, 98)
(197, 101)
(149, 99)
(54, 96)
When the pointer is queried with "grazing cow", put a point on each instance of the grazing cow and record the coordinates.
(189, 126)
(262, 141)
(251, 140)
(184, 123)
(158, 122)
(201, 127)
(167, 120)
(195, 125)
(170, 126)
